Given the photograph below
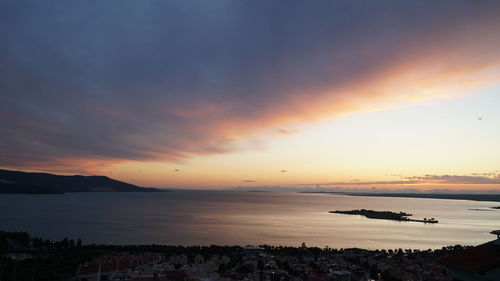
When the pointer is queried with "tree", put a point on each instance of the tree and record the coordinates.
(260, 265)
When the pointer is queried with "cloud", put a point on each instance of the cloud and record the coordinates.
(105, 82)
(483, 178)
(287, 132)
(455, 179)
(249, 181)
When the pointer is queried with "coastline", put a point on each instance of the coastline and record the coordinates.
(468, 196)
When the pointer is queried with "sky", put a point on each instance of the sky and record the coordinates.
(216, 94)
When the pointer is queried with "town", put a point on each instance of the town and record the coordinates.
(25, 258)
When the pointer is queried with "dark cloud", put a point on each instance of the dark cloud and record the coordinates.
(110, 81)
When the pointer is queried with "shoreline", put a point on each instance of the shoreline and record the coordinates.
(470, 197)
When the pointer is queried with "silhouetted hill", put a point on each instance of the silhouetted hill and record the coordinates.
(43, 183)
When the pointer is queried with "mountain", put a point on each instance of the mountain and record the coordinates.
(43, 183)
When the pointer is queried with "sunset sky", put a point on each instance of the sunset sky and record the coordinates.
(217, 94)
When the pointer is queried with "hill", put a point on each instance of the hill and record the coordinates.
(44, 183)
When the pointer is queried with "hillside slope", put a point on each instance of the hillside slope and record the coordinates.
(44, 183)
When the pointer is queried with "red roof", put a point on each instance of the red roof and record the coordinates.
(478, 259)
(117, 262)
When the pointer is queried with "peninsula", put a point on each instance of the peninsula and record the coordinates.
(15, 182)
(384, 215)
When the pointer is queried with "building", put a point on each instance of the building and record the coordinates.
(253, 250)
(480, 263)
(116, 266)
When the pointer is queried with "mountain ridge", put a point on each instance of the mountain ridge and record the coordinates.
(17, 182)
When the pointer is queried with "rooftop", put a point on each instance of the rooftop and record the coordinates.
(477, 259)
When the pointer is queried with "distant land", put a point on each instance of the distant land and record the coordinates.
(474, 197)
(363, 190)
(15, 182)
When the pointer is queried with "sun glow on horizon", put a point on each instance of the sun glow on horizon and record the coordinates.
(452, 136)
(166, 94)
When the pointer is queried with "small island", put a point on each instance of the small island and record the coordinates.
(496, 207)
(384, 215)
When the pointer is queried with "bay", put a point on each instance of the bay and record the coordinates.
(200, 217)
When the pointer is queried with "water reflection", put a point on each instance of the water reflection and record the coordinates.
(223, 217)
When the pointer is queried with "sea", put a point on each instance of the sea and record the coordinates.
(201, 217)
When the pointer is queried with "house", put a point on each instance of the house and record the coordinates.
(249, 250)
(480, 263)
(175, 275)
(149, 277)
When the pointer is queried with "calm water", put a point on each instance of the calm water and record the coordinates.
(225, 217)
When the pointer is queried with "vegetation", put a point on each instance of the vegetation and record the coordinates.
(43, 183)
(25, 258)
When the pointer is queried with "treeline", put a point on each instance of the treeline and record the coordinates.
(25, 258)
(23, 242)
